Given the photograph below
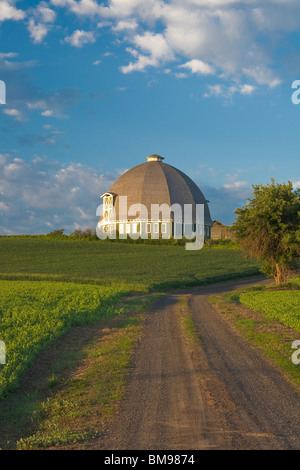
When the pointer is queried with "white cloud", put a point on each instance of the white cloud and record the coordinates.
(247, 89)
(16, 113)
(80, 37)
(45, 13)
(40, 22)
(180, 75)
(236, 185)
(5, 55)
(37, 31)
(8, 11)
(157, 48)
(2, 159)
(227, 92)
(154, 44)
(55, 103)
(47, 113)
(262, 75)
(39, 194)
(199, 67)
(103, 24)
(239, 39)
(125, 25)
(214, 90)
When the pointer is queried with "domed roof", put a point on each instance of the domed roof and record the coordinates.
(155, 182)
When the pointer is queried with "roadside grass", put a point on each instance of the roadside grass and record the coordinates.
(75, 385)
(283, 306)
(187, 323)
(268, 317)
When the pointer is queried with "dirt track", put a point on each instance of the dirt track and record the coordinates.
(223, 395)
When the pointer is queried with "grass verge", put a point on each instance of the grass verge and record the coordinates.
(272, 336)
(187, 323)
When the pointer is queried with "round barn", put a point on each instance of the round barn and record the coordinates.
(154, 199)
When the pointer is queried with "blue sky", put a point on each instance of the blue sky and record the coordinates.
(94, 87)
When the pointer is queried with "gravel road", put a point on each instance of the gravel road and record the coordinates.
(223, 395)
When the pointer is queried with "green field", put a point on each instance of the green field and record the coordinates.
(34, 314)
(133, 266)
(48, 286)
(282, 305)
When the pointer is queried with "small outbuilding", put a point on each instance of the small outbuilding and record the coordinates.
(220, 231)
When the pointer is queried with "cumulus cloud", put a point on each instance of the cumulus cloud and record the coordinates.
(45, 13)
(153, 50)
(237, 40)
(234, 38)
(80, 37)
(42, 195)
(125, 25)
(8, 11)
(40, 22)
(37, 31)
(199, 67)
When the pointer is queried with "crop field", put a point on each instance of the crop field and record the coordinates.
(281, 305)
(34, 314)
(133, 266)
(48, 286)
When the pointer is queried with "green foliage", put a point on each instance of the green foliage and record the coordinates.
(35, 314)
(268, 228)
(52, 438)
(281, 305)
(87, 234)
(57, 233)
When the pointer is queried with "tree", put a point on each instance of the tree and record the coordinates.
(268, 228)
(56, 233)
